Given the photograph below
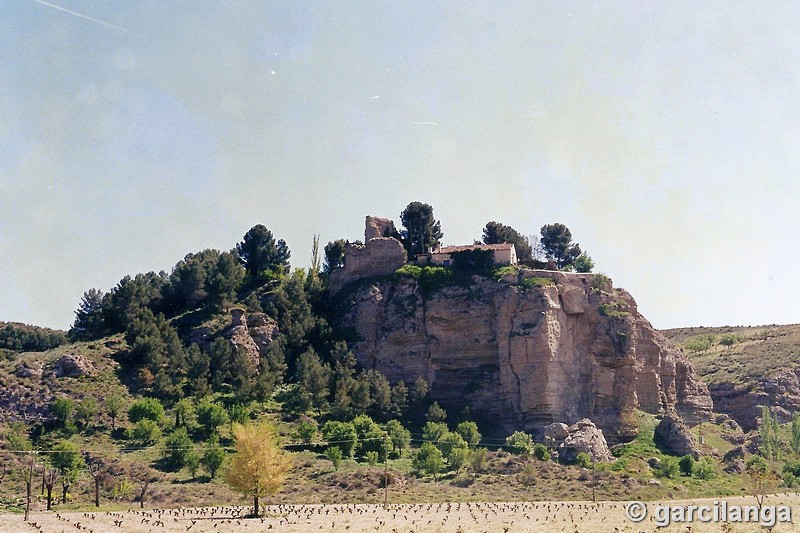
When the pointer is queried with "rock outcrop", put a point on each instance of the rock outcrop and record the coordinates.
(584, 437)
(252, 333)
(73, 366)
(30, 369)
(532, 349)
(673, 436)
(780, 392)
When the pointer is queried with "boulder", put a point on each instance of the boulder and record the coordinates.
(737, 466)
(584, 437)
(733, 454)
(73, 366)
(557, 431)
(574, 299)
(672, 436)
(654, 463)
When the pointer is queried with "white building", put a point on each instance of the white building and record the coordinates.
(504, 254)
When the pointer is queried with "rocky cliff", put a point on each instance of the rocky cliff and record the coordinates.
(533, 348)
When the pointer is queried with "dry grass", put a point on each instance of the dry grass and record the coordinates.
(759, 352)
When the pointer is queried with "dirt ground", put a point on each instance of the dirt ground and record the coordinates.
(510, 517)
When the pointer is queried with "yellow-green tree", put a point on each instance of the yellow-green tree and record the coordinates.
(259, 466)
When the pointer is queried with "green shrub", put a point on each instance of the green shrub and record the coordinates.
(430, 278)
(612, 310)
(210, 416)
(213, 458)
(177, 447)
(469, 432)
(541, 452)
(371, 457)
(584, 460)
(477, 459)
(520, 443)
(400, 436)
(146, 432)
(428, 460)
(530, 283)
(433, 431)
(409, 271)
(728, 339)
(192, 462)
(307, 431)
(600, 282)
(699, 343)
(499, 273)
(704, 469)
(343, 434)
(449, 441)
(334, 455)
(528, 475)
(686, 464)
(62, 409)
(146, 408)
(669, 468)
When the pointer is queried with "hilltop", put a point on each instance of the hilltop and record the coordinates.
(473, 372)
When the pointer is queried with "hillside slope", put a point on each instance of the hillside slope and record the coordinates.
(746, 368)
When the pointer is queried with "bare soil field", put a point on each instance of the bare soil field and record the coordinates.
(466, 517)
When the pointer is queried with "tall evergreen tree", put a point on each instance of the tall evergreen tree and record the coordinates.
(89, 317)
(261, 254)
(557, 244)
(422, 230)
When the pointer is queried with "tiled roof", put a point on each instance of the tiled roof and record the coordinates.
(464, 248)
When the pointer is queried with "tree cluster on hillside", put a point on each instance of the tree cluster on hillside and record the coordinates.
(209, 279)
(24, 338)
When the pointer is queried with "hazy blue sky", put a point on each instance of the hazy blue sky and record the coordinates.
(665, 135)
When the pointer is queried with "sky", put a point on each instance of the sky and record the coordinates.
(665, 135)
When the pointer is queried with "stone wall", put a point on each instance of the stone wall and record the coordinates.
(376, 227)
(379, 257)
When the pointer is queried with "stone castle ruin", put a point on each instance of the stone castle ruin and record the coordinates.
(378, 256)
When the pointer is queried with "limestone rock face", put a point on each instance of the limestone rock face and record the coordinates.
(524, 353)
(780, 391)
(73, 366)
(673, 436)
(584, 437)
(253, 333)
